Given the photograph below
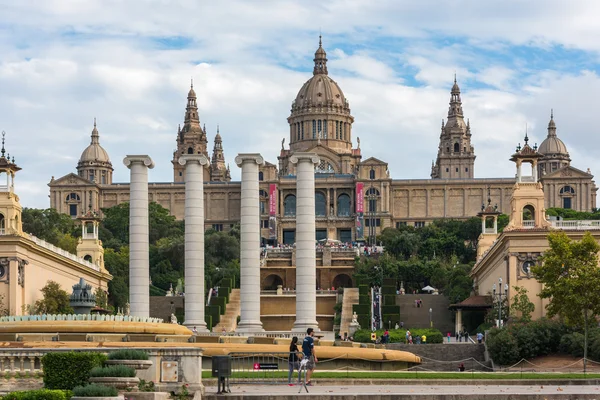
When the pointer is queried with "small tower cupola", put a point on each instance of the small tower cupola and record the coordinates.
(94, 163)
(10, 208)
(489, 225)
(527, 200)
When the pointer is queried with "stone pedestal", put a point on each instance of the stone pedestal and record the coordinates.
(139, 267)
(194, 240)
(249, 244)
(306, 269)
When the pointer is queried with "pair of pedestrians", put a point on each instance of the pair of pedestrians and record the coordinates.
(308, 352)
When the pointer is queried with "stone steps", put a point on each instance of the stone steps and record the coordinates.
(414, 317)
(229, 320)
(350, 298)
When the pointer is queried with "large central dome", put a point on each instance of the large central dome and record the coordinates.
(320, 113)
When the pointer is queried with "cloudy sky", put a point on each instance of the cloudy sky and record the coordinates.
(129, 64)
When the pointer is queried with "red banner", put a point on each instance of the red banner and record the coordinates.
(360, 197)
(272, 199)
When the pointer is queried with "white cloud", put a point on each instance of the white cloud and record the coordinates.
(65, 62)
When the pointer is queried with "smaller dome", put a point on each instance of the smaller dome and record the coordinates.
(94, 152)
(553, 145)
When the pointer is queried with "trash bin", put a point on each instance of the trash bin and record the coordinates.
(221, 369)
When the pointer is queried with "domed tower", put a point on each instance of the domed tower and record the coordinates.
(321, 113)
(554, 151)
(456, 155)
(94, 163)
(191, 139)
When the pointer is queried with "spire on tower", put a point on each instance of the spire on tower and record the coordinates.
(551, 125)
(320, 60)
(3, 151)
(95, 134)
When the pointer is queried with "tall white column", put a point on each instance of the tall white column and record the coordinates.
(194, 240)
(306, 267)
(249, 244)
(139, 262)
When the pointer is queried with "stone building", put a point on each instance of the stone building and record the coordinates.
(355, 197)
(27, 263)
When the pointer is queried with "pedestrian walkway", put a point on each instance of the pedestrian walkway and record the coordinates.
(229, 320)
(410, 392)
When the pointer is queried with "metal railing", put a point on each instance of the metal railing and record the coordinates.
(269, 368)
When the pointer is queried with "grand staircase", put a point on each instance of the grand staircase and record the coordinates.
(350, 298)
(414, 317)
(229, 320)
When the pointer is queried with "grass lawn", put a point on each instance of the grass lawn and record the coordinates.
(415, 375)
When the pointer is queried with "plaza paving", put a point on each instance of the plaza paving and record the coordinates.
(418, 392)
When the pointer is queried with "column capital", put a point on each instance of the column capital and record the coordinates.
(252, 157)
(143, 159)
(191, 158)
(301, 156)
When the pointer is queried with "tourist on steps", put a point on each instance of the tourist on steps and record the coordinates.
(308, 349)
(293, 362)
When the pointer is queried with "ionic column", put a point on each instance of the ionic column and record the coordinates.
(194, 240)
(306, 269)
(139, 260)
(249, 244)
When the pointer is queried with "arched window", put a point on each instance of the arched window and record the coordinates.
(324, 168)
(289, 206)
(528, 213)
(264, 198)
(456, 147)
(372, 174)
(372, 191)
(320, 204)
(567, 190)
(343, 205)
(2, 224)
(88, 258)
(447, 149)
(73, 197)
(261, 176)
(190, 150)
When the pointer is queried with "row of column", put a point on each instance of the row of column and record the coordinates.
(139, 268)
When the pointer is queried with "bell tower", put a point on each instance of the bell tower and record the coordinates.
(456, 155)
(10, 208)
(90, 246)
(489, 226)
(527, 200)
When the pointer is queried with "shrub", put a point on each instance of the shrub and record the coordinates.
(434, 336)
(41, 394)
(363, 290)
(503, 347)
(68, 370)
(95, 391)
(128, 354)
(362, 309)
(395, 310)
(113, 371)
(572, 344)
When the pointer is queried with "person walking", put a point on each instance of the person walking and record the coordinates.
(448, 337)
(308, 350)
(479, 337)
(293, 362)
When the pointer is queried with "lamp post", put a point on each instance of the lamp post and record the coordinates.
(430, 318)
(499, 296)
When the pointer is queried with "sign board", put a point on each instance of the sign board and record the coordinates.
(265, 366)
(168, 371)
(373, 336)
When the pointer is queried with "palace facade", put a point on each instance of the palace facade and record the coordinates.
(355, 196)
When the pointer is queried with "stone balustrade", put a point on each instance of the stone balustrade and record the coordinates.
(21, 362)
(576, 225)
(62, 252)
(80, 317)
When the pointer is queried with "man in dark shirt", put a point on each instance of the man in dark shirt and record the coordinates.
(308, 349)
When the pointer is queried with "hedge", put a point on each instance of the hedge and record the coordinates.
(364, 299)
(395, 310)
(434, 336)
(389, 282)
(364, 321)
(359, 279)
(389, 300)
(361, 309)
(68, 370)
(208, 320)
(388, 290)
(40, 394)
(214, 312)
(220, 301)
(363, 289)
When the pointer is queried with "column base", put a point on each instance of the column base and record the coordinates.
(200, 325)
(302, 326)
(250, 326)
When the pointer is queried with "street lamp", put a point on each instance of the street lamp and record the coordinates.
(498, 297)
(430, 319)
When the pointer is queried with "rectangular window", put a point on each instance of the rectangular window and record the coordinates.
(298, 131)
(314, 129)
(302, 127)
(337, 129)
(345, 137)
(320, 234)
(376, 222)
(73, 210)
(218, 227)
(345, 235)
(456, 169)
(320, 131)
(466, 169)
(419, 224)
(446, 169)
(325, 129)
(264, 224)
(289, 237)
(263, 207)
(567, 202)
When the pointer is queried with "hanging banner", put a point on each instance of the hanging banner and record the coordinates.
(360, 215)
(272, 211)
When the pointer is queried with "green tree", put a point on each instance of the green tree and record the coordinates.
(3, 308)
(570, 278)
(101, 298)
(521, 304)
(50, 225)
(54, 301)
